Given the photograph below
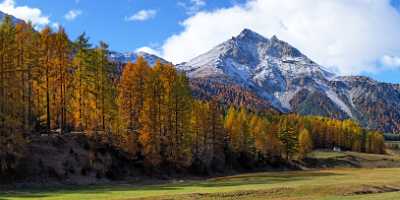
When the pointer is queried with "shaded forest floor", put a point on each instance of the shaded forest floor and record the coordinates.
(327, 184)
(75, 159)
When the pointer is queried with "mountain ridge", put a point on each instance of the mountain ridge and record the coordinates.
(256, 62)
(280, 74)
(14, 19)
(115, 56)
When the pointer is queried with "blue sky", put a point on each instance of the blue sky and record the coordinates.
(106, 20)
(181, 29)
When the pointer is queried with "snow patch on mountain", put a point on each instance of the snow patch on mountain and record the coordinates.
(14, 19)
(333, 96)
(132, 57)
(272, 68)
(285, 97)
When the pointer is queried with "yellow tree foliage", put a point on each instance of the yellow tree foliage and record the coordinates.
(50, 84)
(274, 147)
(131, 91)
(62, 80)
(305, 143)
(45, 87)
(208, 135)
(151, 132)
(201, 137)
(176, 112)
(259, 131)
(82, 106)
(375, 143)
(13, 95)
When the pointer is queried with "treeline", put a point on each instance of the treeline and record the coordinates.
(50, 85)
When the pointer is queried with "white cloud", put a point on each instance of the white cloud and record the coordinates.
(391, 61)
(72, 14)
(148, 50)
(55, 25)
(142, 15)
(192, 6)
(25, 13)
(348, 36)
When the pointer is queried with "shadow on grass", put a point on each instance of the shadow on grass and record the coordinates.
(6, 196)
(84, 190)
(263, 178)
(230, 181)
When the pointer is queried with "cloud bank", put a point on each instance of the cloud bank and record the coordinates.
(391, 61)
(25, 13)
(148, 50)
(346, 36)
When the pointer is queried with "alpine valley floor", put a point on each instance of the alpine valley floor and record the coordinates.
(324, 184)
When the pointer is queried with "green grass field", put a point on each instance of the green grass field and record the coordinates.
(332, 184)
(395, 156)
(341, 184)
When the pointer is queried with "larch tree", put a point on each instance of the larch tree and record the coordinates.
(274, 145)
(241, 141)
(63, 86)
(151, 130)
(246, 139)
(217, 134)
(259, 128)
(180, 104)
(200, 135)
(305, 143)
(82, 84)
(12, 109)
(105, 90)
(27, 70)
(232, 129)
(375, 143)
(288, 137)
(8, 68)
(131, 97)
(46, 54)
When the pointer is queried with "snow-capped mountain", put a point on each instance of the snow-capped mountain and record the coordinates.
(273, 68)
(132, 56)
(291, 82)
(14, 19)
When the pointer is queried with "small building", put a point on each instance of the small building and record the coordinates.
(337, 149)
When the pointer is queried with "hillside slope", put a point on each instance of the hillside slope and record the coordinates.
(289, 81)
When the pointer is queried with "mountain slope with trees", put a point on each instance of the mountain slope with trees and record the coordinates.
(289, 81)
(66, 110)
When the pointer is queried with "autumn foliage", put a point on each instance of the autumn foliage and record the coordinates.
(50, 85)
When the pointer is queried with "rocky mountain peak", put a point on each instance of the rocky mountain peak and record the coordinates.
(251, 46)
(250, 55)
(248, 34)
(282, 49)
(274, 38)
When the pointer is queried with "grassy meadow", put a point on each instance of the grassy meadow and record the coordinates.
(333, 184)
